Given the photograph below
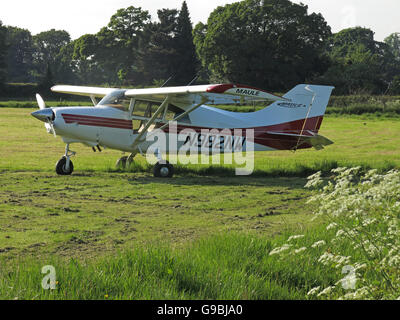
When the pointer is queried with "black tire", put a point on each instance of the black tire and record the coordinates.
(60, 167)
(121, 163)
(163, 170)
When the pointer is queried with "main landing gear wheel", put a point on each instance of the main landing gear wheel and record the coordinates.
(163, 170)
(61, 167)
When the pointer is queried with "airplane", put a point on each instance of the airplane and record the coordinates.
(121, 119)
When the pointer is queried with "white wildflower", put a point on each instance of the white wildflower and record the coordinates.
(340, 233)
(280, 249)
(295, 237)
(300, 250)
(359, 266)
(326, 291)
(318, 244)
(331, 226)
(314, 291)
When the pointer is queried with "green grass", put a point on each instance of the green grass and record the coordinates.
(232, 266)
(203, 234)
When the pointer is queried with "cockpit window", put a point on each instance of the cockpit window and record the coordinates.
(116, 99)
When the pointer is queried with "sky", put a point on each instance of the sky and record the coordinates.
(80, 17)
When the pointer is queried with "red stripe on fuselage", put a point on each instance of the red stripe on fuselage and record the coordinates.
(279, 142)
(97, 121)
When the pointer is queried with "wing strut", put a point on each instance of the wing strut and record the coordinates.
(139, 140)
(150, 122)
(203, 101)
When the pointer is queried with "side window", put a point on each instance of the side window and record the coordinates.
(116, 99)
(136, 125)
(145, 109)
(140, 108)
(123, 105)
(169, 115)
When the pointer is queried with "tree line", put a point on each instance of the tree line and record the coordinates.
(271, 44)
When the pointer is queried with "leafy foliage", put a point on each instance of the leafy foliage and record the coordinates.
(47, 46)
(359, 63)
(3, 51)
(272, 44)
(19, 54)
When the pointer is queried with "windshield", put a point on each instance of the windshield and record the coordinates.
(116, 99)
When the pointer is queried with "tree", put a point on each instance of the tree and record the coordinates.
(19, 55)
(159, 54)
(47, 45)
(118, 44)
(186, 65)
(84, 60)
(393, 41)
(3, 52)
(273, 44)
(359, 63)
(65, 68)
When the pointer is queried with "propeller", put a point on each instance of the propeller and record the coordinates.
(45, 114)
(40, 102)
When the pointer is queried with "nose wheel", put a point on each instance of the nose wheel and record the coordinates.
(64, 166)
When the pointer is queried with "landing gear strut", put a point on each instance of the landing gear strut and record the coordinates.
(125, 162)
(64, 166)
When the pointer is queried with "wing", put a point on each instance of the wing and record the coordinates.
(212, 94)
(181, 96)
(84, 91)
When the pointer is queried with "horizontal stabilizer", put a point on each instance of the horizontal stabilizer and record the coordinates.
(317, 141)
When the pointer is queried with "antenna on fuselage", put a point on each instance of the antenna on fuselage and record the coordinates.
(167, 81)
(194, 79)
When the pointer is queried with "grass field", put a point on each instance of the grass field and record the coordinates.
(195, 236)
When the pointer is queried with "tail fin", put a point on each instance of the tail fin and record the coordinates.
(300, 117)
(313, 100)
(303, 111)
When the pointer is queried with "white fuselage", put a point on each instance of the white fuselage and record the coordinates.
(112, 128)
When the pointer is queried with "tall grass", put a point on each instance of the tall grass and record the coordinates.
(353, 254)
(234, 266)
